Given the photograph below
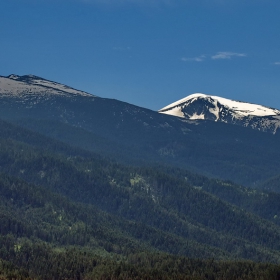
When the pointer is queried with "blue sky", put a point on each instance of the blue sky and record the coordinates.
(147, 52)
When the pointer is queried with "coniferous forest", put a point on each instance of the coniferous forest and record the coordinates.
(68, 213)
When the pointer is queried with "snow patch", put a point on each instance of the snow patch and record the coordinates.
(215, 111)
(183, 100)
(197, 117)
(176, 111)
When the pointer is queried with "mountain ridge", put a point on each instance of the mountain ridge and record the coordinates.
(13, 85)
(131, 133)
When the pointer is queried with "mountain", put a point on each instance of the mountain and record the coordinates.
(135, 135)
(214, 108)
(93, 188)
(66, 211)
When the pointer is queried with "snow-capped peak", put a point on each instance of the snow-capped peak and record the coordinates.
(215, 108)
(242, 108)
(176, 103)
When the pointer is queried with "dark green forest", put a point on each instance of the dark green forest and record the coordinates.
(70, 213)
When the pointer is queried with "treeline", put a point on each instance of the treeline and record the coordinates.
(41, 261)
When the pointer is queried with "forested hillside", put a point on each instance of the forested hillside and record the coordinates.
(69, 213)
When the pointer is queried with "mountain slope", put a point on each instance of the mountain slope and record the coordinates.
(137, 135)
(28, 85)
(153, 208)
(207, 107)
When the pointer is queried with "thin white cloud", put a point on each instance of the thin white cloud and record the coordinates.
(218, 55)
(196, 59)
(227, 55)
(121, 49)
(277, 63)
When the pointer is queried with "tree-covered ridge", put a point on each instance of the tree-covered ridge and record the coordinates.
(148, 196)
(260, 202)
(219, 150)
(67, 212)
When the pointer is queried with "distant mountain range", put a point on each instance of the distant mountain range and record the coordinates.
(214, 108)
(196, 106)
(133, 134)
